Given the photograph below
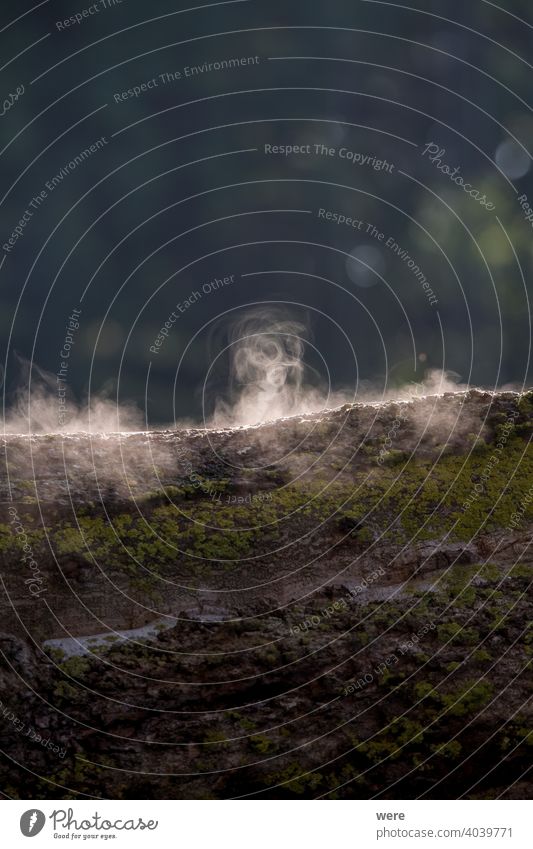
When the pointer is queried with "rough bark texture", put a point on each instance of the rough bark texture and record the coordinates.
(333, 604)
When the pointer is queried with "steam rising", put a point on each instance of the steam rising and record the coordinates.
(36, 406)
(37, 413)
(268, 376)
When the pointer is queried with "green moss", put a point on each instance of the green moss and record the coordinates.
(63, 691)
(525, 404)
(468, 697)
(448, 632)
(76, 667)
(521, 570)
(481, 655)
(423, 689)
(394, 457)
(295, 779)
(450, 750)
(392, 741)
(425, 501)
(215, 737)
(261, 744)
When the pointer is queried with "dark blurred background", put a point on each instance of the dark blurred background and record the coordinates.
(185, 194)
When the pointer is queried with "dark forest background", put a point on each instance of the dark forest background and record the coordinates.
(457, 74)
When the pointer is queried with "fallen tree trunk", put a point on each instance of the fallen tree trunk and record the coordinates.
(198, 584)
